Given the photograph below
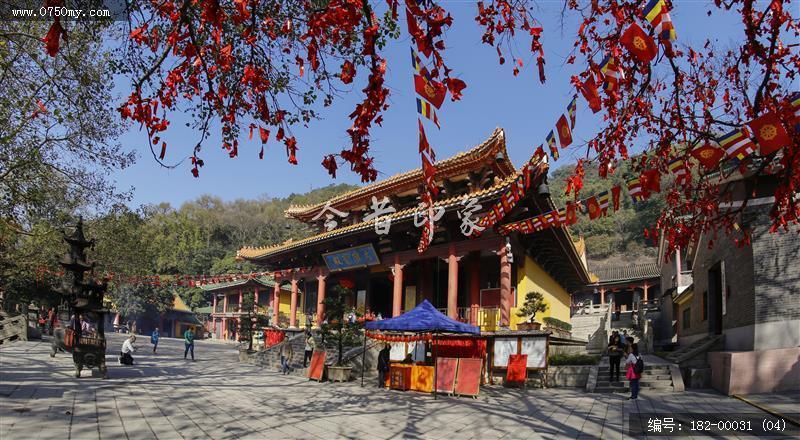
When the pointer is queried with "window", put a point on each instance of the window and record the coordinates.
(686, 318)
(704, 309)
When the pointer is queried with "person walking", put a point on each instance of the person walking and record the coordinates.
(188, 340)
(125, 357)
(154, 340)
(615, 349)
(309, 349)
(635, 367)
(383, 365)
(287, 352)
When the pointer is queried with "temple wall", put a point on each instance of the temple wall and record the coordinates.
(530, 277)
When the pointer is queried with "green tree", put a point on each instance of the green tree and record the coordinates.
(338, 330)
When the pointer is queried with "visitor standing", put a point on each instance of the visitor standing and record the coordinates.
(154, 339)
(310, 346)
(383, 365)
(635, 367)
(615, 350)
(287, 352)
(623, 337)
(125, 357)
(188, 340)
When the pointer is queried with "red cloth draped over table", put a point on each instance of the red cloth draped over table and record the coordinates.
(273, 337)
(460, 347)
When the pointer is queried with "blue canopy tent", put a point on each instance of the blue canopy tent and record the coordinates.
(424, 318)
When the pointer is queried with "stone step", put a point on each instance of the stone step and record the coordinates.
(612, 390)
(643, 384)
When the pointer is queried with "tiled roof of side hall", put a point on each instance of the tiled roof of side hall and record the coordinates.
(261, 252)
(452, 165)
(263, 280)
(627, 273)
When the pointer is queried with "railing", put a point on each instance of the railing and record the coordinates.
(593, 309)
(13, 328)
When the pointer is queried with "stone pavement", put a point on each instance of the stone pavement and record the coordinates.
(162, 396)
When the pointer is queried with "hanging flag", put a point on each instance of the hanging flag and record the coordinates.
(603, 199)
(530, 172)
(635, 190)
(737, 143)
(594, 207)
(612, 73)
(551, 143)
(794, 100)
(432, 91)
(651, 181)
(427, 110)
(769, 133)
(571, 216)
(564, 133)
(571, 109)
(639, 44)
(416, 62)
(678, 167)
(708, 155)
(588, 89)
(424, 146)
(562, 217)
(615, 197)
(657, 14)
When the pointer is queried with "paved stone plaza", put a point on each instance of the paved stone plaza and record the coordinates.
(165, 397)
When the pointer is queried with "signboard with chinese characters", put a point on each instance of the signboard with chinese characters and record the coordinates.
(359, 256)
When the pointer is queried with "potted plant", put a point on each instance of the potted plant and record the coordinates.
(339, 331)
(534, 303)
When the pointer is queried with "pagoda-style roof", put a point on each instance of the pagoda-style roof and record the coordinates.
(257, 253)
(491, 153)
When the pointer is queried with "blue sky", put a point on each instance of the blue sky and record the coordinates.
(525, 108)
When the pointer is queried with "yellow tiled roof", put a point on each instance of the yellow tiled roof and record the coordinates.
(261, 252)
(488, 148)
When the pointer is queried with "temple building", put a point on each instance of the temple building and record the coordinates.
(369, 237)
(227, 298)
(626, 287)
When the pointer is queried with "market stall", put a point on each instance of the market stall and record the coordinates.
(410, 335)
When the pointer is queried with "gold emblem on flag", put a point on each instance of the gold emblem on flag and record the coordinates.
(429, 90)
(706, 154)
(768, 132)
(592, 208)
(639, 43)
(564, 131)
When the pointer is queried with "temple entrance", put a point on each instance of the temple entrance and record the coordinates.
(380, 295)
(715, 300)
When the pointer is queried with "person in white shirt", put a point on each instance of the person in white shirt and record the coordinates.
(125, 357)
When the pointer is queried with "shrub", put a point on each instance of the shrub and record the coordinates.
(557, 323)
(573, 359)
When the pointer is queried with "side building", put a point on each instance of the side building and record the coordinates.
(227, 299)
(369, 237)
(736, 309)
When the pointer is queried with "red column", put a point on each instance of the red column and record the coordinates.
(646, 286)
(397, 287)
(320, 298)
(214, 304)
(602, 296)
(505, 288)
(240, 300)
(225, 303)
(293, 305)
(255, 300)
(474, 288)
(276, 302)
(452, 283)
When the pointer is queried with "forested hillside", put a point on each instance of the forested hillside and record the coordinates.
(199, 237)
(618, 237)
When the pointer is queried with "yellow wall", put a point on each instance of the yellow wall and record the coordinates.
(285, 306)
(531, 277)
